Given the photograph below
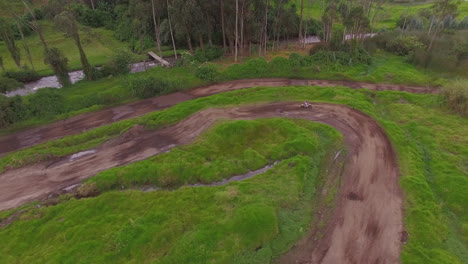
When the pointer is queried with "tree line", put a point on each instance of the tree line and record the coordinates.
(240, 27)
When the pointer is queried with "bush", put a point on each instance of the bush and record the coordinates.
(149, 86)
(279, 65)
(207, 72)
(455, 96)
(448, 54)
(87, 189)
(404, 45)
(46, 102)
(296, 60)
(254, 68)
(412, 22)
(345, 58)
(318, 47)
(463, 23)
(12, 110)
(24, 76)
(208, 54)
(8, 84)
(343, 54)
(119, 63)
(98, 17)
(186, 59)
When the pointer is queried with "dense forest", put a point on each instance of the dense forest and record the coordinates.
(241, 26)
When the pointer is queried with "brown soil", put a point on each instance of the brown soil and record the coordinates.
(366, 226)
(80, 123)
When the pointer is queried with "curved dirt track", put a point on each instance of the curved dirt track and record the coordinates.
(77, 124)
(367, 221)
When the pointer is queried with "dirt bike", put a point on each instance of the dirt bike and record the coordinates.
(304, 105)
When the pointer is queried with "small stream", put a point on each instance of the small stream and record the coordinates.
(75, 76)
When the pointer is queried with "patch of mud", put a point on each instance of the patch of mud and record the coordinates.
(354, 196)
(11, 218)
(81, 154)
(71, 187)
(133, 132)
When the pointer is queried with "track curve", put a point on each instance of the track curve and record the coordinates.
(368, 218)
(77, 124)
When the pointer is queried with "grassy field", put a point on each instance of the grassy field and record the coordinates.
(391, 12)
(386, 17)
(9, 8)
(242, 222)
(430, 143)
(99, 44)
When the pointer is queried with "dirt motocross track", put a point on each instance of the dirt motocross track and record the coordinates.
(80, 123)
(367, 223)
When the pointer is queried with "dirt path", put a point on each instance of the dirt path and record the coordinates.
(80, 123)
(367, 222)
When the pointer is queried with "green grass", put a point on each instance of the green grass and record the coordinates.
(242, 222)
(431, 146)
(391, 12)
(218, 154)
(9, 8)
(387, 16)
(98, 43)
(385, 68)
(314, 9)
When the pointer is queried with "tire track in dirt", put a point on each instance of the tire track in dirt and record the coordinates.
(83, 122)
(367, 221)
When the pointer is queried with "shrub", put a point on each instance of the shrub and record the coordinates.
(12, 110)
(8, 84)
(97, 17)
(412, 22)
(455, 96)
(46, 102)
(279, 65)
(296, 60)
(187, 59)
(404, 45)
(207, 72)
(343, 54)
(208, 54)
(463, 23)
(149, 86)
(318, 47)
(327, 58)
(251, 69)
(87, 189)
(24, 75)
(119, 63)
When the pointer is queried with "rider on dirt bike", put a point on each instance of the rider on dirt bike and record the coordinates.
(306, 104)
